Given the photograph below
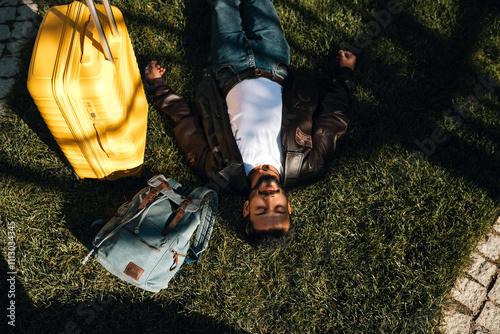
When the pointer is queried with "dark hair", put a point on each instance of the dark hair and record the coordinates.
(271, 239)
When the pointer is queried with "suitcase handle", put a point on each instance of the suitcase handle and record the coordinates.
(111, 18)
(98, 25)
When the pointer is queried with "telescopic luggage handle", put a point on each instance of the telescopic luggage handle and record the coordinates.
(98, 25)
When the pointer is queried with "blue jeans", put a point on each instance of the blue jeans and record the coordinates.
(246, 34)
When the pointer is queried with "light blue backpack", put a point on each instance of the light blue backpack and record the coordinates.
(149, 239)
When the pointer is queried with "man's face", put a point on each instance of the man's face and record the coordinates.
(268, 206)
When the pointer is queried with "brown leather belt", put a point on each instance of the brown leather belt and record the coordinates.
(251, 74)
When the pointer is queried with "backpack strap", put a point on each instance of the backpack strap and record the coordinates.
(169, 225)
(153, 193)
(160, 184)
(208, 207)
(156, 180)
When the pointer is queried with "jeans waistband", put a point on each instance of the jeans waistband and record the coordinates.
(251, 74)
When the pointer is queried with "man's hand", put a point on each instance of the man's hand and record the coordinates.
(347, 59)
(153, 71)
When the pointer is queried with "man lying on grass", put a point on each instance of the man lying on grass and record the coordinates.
(259, 126)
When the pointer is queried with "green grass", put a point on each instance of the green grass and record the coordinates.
(379, 242)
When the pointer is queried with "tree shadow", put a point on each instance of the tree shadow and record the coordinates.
(387, 117)
(410, 75)
(102, 313)
(437, 82)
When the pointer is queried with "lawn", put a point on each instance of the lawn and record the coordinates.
(379, 241)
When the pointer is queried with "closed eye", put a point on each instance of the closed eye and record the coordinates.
(280, 209)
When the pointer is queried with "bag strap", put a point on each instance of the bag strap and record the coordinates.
(208, 207)
(153, 193)
(113, 232)
(170, 224)
(160, 184)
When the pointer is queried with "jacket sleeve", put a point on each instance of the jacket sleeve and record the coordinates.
(188, 128)
(328, 125)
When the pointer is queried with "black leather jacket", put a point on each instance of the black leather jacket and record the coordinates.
(311, 124)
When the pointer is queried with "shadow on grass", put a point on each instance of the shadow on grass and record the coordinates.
(408, 99)
(442, 73)
(413, 74)
(196, 35)
(100, 314)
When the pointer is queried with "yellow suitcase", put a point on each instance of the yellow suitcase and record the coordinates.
(85, 82)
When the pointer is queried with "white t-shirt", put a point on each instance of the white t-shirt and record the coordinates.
(255, 108)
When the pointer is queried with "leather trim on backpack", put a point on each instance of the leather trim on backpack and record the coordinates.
(134, 271)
